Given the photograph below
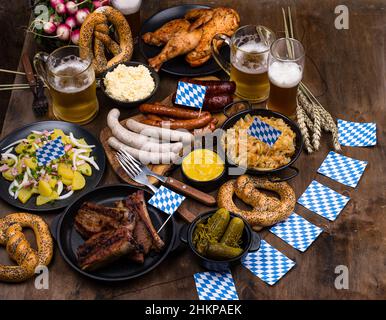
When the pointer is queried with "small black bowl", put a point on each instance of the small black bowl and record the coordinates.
(250, 243)
(130, 104)
(206, 186)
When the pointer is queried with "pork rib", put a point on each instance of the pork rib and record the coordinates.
(105, 247)
(136, 203)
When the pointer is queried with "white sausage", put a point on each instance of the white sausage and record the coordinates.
(144, 157)
(138, 141)
(159, 133)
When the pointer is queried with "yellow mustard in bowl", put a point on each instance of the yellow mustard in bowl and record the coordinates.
(203, 165)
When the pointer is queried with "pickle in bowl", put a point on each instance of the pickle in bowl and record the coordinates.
(219, 237)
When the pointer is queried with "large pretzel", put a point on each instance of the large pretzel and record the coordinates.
(19, 249)
(94, 38)
(267, 210)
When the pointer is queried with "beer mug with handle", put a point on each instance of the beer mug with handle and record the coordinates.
(70, 78)
(248, 64)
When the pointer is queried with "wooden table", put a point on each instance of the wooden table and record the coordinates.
(346, 68)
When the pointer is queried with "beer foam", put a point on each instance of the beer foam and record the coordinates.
(246, 63)
(72, 76)
(127, 7)
(285, 74)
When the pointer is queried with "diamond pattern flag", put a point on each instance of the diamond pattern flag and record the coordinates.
(264, 132)
(269, 264)
(343, 169)
(166, 200)
(52, 150)
(215, 286)
(323, 200)
(190, 95)
(357, 134)
(297, 232)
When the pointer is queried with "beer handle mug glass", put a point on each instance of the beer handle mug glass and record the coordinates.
(71, 82)
(249, 50)
(285, 71)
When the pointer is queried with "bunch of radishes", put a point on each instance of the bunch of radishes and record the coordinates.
(67, 18)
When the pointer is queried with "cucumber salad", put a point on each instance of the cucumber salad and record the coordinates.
(56, 180)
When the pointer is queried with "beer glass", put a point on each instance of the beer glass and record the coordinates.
(71, 83)
(285, 71)
(248, 60)
(131, 10)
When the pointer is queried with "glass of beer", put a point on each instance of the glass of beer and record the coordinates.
(248, 60)
(285, 71)
(131, 10)
(71, 83)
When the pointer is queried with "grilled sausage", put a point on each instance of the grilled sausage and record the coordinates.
(214, 103)
(214, 87)
(188, 124)
(174, 112)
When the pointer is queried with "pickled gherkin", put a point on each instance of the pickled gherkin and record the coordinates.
(220, 251)
(233, 233)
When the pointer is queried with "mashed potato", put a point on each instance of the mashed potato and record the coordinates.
(129, 84)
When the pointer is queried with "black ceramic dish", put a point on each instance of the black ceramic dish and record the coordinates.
(206, 186)
(177, 66)
(272, 173)
(130, 104)
(68, 238)
(250, 243)
(79, 132)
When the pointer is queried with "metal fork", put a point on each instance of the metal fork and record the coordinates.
(139, 172)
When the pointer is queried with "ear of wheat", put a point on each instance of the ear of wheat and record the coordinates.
(312, 117)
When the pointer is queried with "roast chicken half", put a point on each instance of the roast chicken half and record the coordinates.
(192, 35)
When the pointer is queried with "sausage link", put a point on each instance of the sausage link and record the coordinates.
(190, 124)
(214, 87)
(174, 112)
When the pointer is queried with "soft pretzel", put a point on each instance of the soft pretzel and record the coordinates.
(20, 250)
(95, 29)
(267, 210)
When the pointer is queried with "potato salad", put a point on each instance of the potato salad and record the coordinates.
(56, 180)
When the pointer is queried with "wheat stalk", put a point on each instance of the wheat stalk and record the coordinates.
(311, 115)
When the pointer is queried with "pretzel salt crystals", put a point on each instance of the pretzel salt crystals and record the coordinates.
(95, 39)
(20, 250)
(266, 210)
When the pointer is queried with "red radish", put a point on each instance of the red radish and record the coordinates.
(71, 7)
(54, 3)
(49, 27)
(55, 19)
(75, 36)
(97, 4)
(60, 8)
(63, 32)
(71, 22)
(81, 15)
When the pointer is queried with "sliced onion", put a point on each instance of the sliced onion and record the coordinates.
(11, 187)
(12, 156)
(60, 187)
(75, 155)
(8, 150)
(13, 143)
(90, 160)
(79, 145)
(65, 196)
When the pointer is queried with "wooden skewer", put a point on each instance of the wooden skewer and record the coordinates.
(13, 72)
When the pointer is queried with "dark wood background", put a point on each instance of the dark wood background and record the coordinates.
(346, 69)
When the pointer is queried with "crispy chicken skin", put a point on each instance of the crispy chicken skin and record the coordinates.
(192, 36)
(224, 20)
(180, 44)
(162, 35)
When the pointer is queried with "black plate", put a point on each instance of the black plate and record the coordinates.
(231, 121)
(177, 66)
(79, 132)
(69, 239)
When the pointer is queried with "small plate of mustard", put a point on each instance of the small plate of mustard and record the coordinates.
(203, 169)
